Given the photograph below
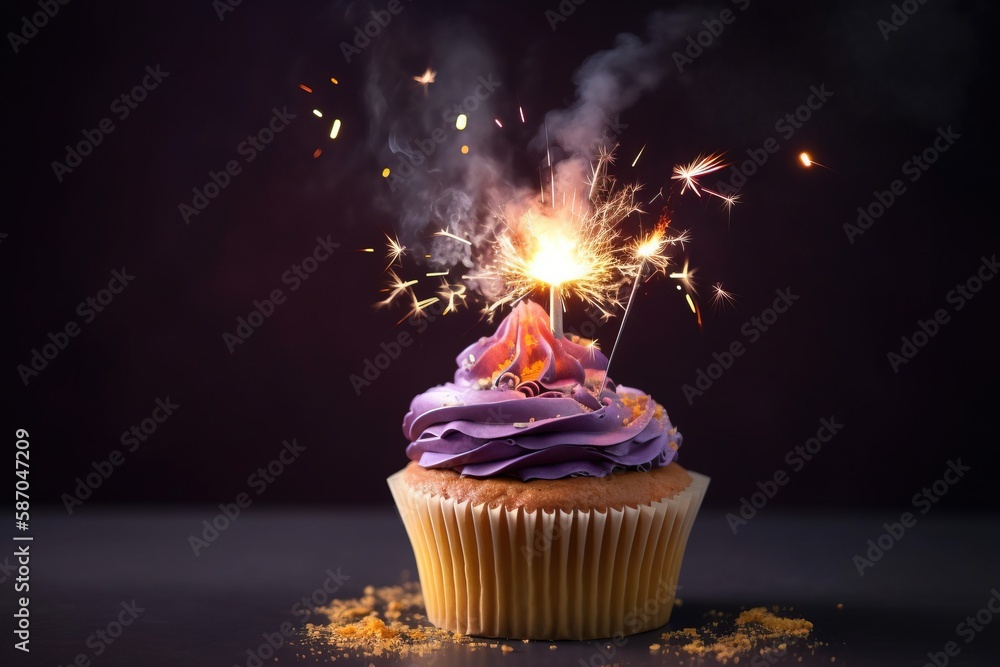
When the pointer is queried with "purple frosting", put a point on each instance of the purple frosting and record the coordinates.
(525, 404)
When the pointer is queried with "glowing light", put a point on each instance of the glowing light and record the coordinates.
(650, 248)
(556, 262)
(497, 121)
(521, 111)
(573, 250)
(461, 121)
(335, 130)
(465, 150)
(426, 78)
(691, 304)
(317, 113)
(317, 153)
(807, 161)
(335, 82)
(433, 274)
(305, 88)
(686, 276)
(368, 250)
(385, 172)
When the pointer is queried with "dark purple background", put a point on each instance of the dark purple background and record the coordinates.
(163, 335)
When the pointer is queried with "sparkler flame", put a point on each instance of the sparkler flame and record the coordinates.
(573, 250)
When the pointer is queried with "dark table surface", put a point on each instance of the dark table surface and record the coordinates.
(213, 608)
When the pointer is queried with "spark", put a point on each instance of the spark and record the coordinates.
(650, 248)
(317, 113)
(335, 130)
(686, 276)
(808, 162)
(335, 82)
(305, 88)
(317, 153)
(426, 78)
(367, 250)
(461, 121)
(721, 297)
(497, 121)
(451, 292)
(521, 111)
(638, 154)
(395, 251)
(418, 307)
(386, 172)
(689, 174)
(396, 287)
(465, 150)
(452, 236)
(434, 274)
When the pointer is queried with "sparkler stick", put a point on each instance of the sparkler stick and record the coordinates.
(628, 307)
(548, 155)
(555, 312)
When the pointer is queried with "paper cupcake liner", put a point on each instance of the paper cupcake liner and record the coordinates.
(582, 574)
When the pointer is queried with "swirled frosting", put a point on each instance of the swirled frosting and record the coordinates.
(525, 404)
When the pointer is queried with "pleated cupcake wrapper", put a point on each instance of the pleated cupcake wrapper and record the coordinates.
(496, 572)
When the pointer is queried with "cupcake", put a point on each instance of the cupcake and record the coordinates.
(543, 501)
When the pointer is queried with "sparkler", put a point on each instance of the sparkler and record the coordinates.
(572, 250)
